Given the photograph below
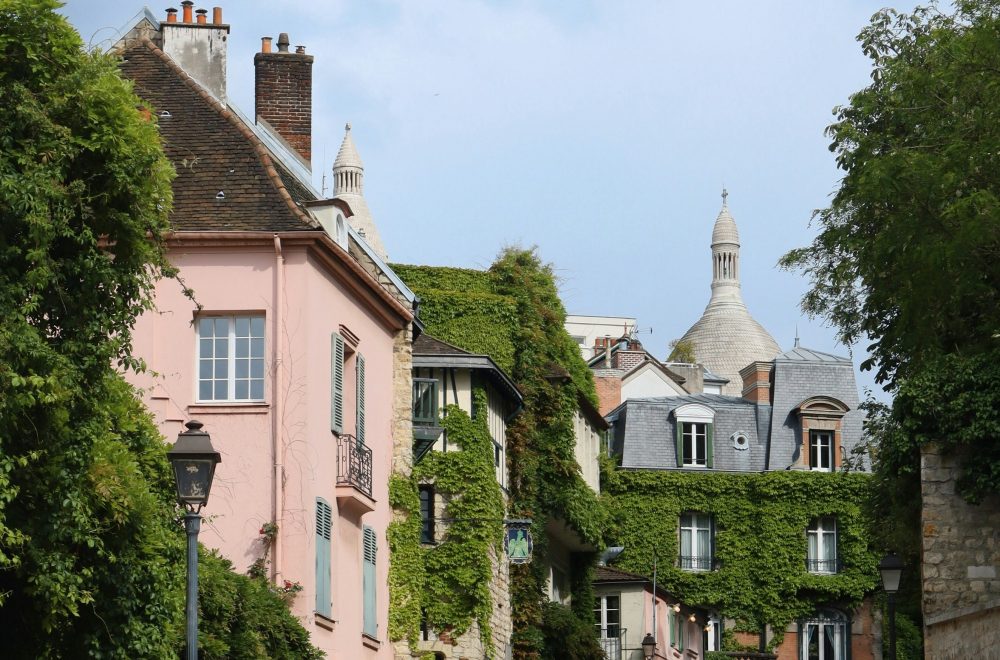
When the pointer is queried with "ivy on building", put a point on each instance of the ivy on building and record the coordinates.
(760, 539)
(513, 313)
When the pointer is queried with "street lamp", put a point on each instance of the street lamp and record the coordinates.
(891, 568)
(194, 461)
(648, 646)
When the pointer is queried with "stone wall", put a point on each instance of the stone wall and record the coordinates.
(960, 566)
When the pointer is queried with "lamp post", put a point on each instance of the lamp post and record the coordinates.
(194, 461)
(891, 568)
(648, 646)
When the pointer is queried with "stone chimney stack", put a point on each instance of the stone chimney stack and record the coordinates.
(283, 94)
(757, 381)
(197, 46)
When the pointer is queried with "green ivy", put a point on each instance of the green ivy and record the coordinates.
(760, 538)
(513, 313)
(459, 569)
(406, 562)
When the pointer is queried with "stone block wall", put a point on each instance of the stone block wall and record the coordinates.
(960, 567)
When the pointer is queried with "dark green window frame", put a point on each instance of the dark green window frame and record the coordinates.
(425, 401)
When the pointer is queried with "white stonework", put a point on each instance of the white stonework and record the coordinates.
(726, 338)
(348, 185)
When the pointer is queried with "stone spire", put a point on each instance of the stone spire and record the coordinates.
(726, 338)
(348, 185)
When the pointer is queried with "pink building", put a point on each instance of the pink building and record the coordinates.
(290, 350)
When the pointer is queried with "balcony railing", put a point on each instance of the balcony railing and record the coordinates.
(823, 565)
(697, 563)
(354, 464)
(612, 646)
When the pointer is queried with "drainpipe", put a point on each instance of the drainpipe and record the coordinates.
(277, 453)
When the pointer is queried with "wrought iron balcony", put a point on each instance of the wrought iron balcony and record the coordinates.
(612, 640)
(697, 563)
(823, 566)
(354, 464)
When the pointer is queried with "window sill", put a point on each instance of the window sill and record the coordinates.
(370, 642)
(323, 621)
(229, 408)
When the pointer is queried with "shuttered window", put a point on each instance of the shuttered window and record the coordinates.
(324, 524)
(695, 443)
(336, 383)
(361, 398)
(368, 583)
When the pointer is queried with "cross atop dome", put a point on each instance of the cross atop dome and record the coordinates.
(725, 193)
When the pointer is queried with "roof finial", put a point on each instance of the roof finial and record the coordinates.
(725, 194)
(796, 335)
(347, 127)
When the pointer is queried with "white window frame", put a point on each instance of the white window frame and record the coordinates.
(601, 610)
(697, 434)
(695, 554)
(824, 530)
(231, 359)
(821, 445)
(701, 419)
(822, 621)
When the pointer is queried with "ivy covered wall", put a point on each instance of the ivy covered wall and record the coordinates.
(513, 313)
(760, 540)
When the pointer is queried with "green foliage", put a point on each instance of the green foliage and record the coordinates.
(760, 538)
(567, 635)
(515, 306)
(460, 568)
(682, 351)
(406, 561)
(245, 618)
(909, 639)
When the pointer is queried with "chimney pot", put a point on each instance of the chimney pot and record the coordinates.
(300, 50)
(171, 14)
(186, 6)
(283, 42)
(202, 16)
(265, 44)
(217, 15)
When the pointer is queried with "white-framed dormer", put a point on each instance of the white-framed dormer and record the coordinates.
(694, 436)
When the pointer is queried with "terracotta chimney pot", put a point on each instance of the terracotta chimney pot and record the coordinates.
(186, 7)
(202, 16)
(171, 15)
(217, 15)
(265, 44)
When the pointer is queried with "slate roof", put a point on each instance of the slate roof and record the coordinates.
(430, 352)
(644, 430)
(212, 151)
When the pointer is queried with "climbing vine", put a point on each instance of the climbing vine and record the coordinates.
(513, 313)
(760, 540)
(406, 561)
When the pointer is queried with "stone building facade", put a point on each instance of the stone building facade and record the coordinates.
(960, 566)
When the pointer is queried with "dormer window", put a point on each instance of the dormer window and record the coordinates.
(694, 425)
(821, 420)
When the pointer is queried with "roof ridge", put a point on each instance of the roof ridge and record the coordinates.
(267, 160)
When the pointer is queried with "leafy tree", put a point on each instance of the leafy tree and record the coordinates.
(91, 552)
(907, 254)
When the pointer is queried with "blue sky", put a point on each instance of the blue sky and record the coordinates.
(601, 132)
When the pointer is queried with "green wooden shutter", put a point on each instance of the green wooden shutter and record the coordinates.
(711, 541)
(680, 442)
(361, 398)
(336, 383)
(324, 524)
(709, 444)
(368, 583)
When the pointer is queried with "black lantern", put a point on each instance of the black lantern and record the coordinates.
(194, 462)
(648, 646)
(891, 568)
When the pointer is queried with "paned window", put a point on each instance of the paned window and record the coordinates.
(694, 427)
(697, 532)
(426, 513)
(425, 401)
(676, 630)
(695, 441)
(821, 450)
(822, 538)
(231, 358)
(824, 637)
(607, 616)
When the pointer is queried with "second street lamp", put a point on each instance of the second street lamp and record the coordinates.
(891, 569)
(648, 646)
(193, 459)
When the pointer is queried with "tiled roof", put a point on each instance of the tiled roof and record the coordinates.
(608, 574)
(213, 151)
(427, 345)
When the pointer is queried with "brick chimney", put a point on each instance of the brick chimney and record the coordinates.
(757, 381)
(283, 94)
(197, 46)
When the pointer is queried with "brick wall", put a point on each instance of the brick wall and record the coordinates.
(283, 97)
(609, 392)
(960, 566)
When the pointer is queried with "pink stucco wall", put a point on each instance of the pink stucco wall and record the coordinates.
(240, 277)
(693, 641)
